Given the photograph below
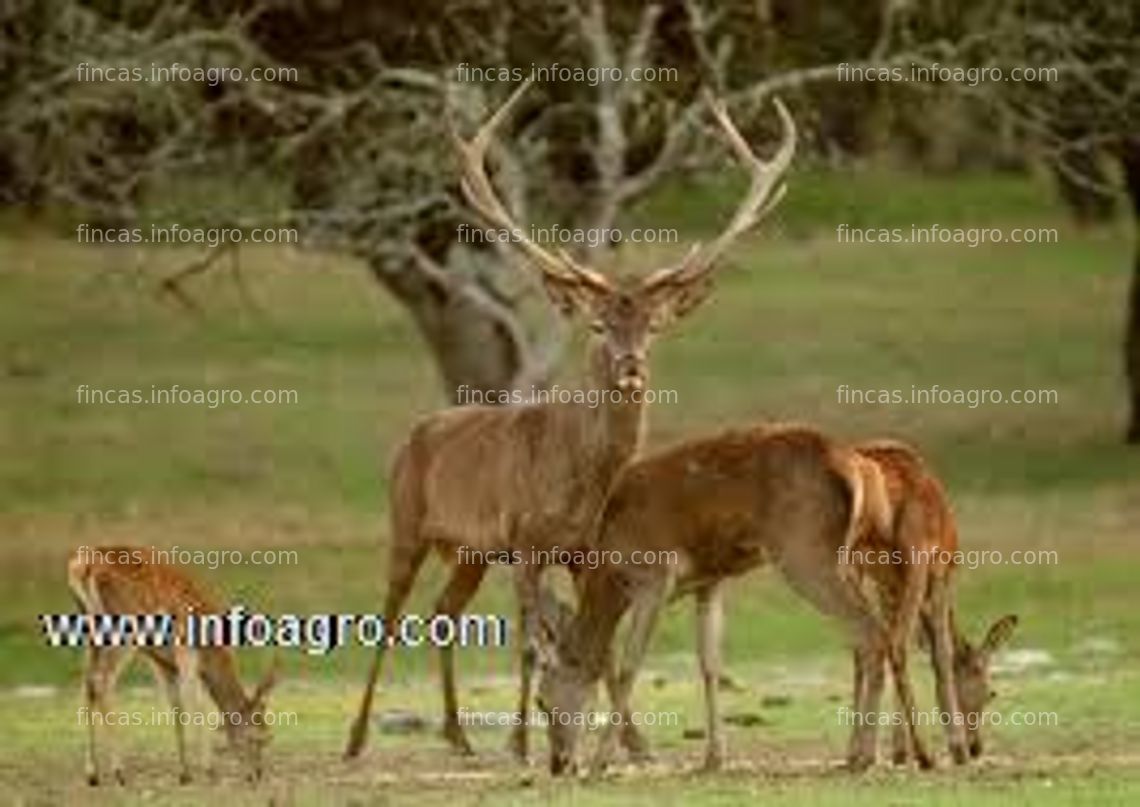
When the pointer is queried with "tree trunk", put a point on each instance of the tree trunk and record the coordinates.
(1131, 159)
(475, 340)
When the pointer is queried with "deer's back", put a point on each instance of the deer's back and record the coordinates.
(918, 498)
(126, 580)
(731, 501)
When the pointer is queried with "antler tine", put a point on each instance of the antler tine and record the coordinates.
(481, 195)
(764, 192)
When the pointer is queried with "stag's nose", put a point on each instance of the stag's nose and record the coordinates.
(629, 382)
(630, 372)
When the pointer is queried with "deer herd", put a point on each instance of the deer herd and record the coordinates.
(540, 476)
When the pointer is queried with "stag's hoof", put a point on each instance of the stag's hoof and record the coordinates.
(959, 754)
(93, 779)
(925, 761)
(185, 778)
(900, 756)
(857, 763)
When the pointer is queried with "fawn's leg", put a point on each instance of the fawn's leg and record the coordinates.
(175, 683)
(905, 616)
(100, 676)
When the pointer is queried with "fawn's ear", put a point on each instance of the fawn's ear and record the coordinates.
(267, 683)
(998, 634)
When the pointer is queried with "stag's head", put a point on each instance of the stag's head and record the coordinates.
(972, 677)
(624, 317)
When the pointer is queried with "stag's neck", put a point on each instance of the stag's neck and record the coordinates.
(615, 428)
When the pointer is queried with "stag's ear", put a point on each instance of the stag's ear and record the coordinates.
(998, 634)
(677, 290)
(676, 300)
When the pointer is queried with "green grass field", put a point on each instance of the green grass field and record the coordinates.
(795, 316)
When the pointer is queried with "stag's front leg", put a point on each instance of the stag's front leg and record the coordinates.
(465, 579)
(710, 621)
(526, 587)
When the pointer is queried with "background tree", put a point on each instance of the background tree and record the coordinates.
(356, 146)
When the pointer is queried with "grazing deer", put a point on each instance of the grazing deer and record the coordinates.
(912, 567)
(535, 476)
(726, 513)
(779, 494)
(122, 581)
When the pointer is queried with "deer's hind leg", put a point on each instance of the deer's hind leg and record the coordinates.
(939, 632)
(904, 617)
(825, 586)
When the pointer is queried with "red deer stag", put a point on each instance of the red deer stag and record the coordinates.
(533, 477)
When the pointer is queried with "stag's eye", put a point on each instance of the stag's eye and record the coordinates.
(597, 326)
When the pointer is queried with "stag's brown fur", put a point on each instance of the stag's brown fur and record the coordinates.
(533, 477)
(124, 580)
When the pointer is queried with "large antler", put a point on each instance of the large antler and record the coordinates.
(764, 193)
(481, 195)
